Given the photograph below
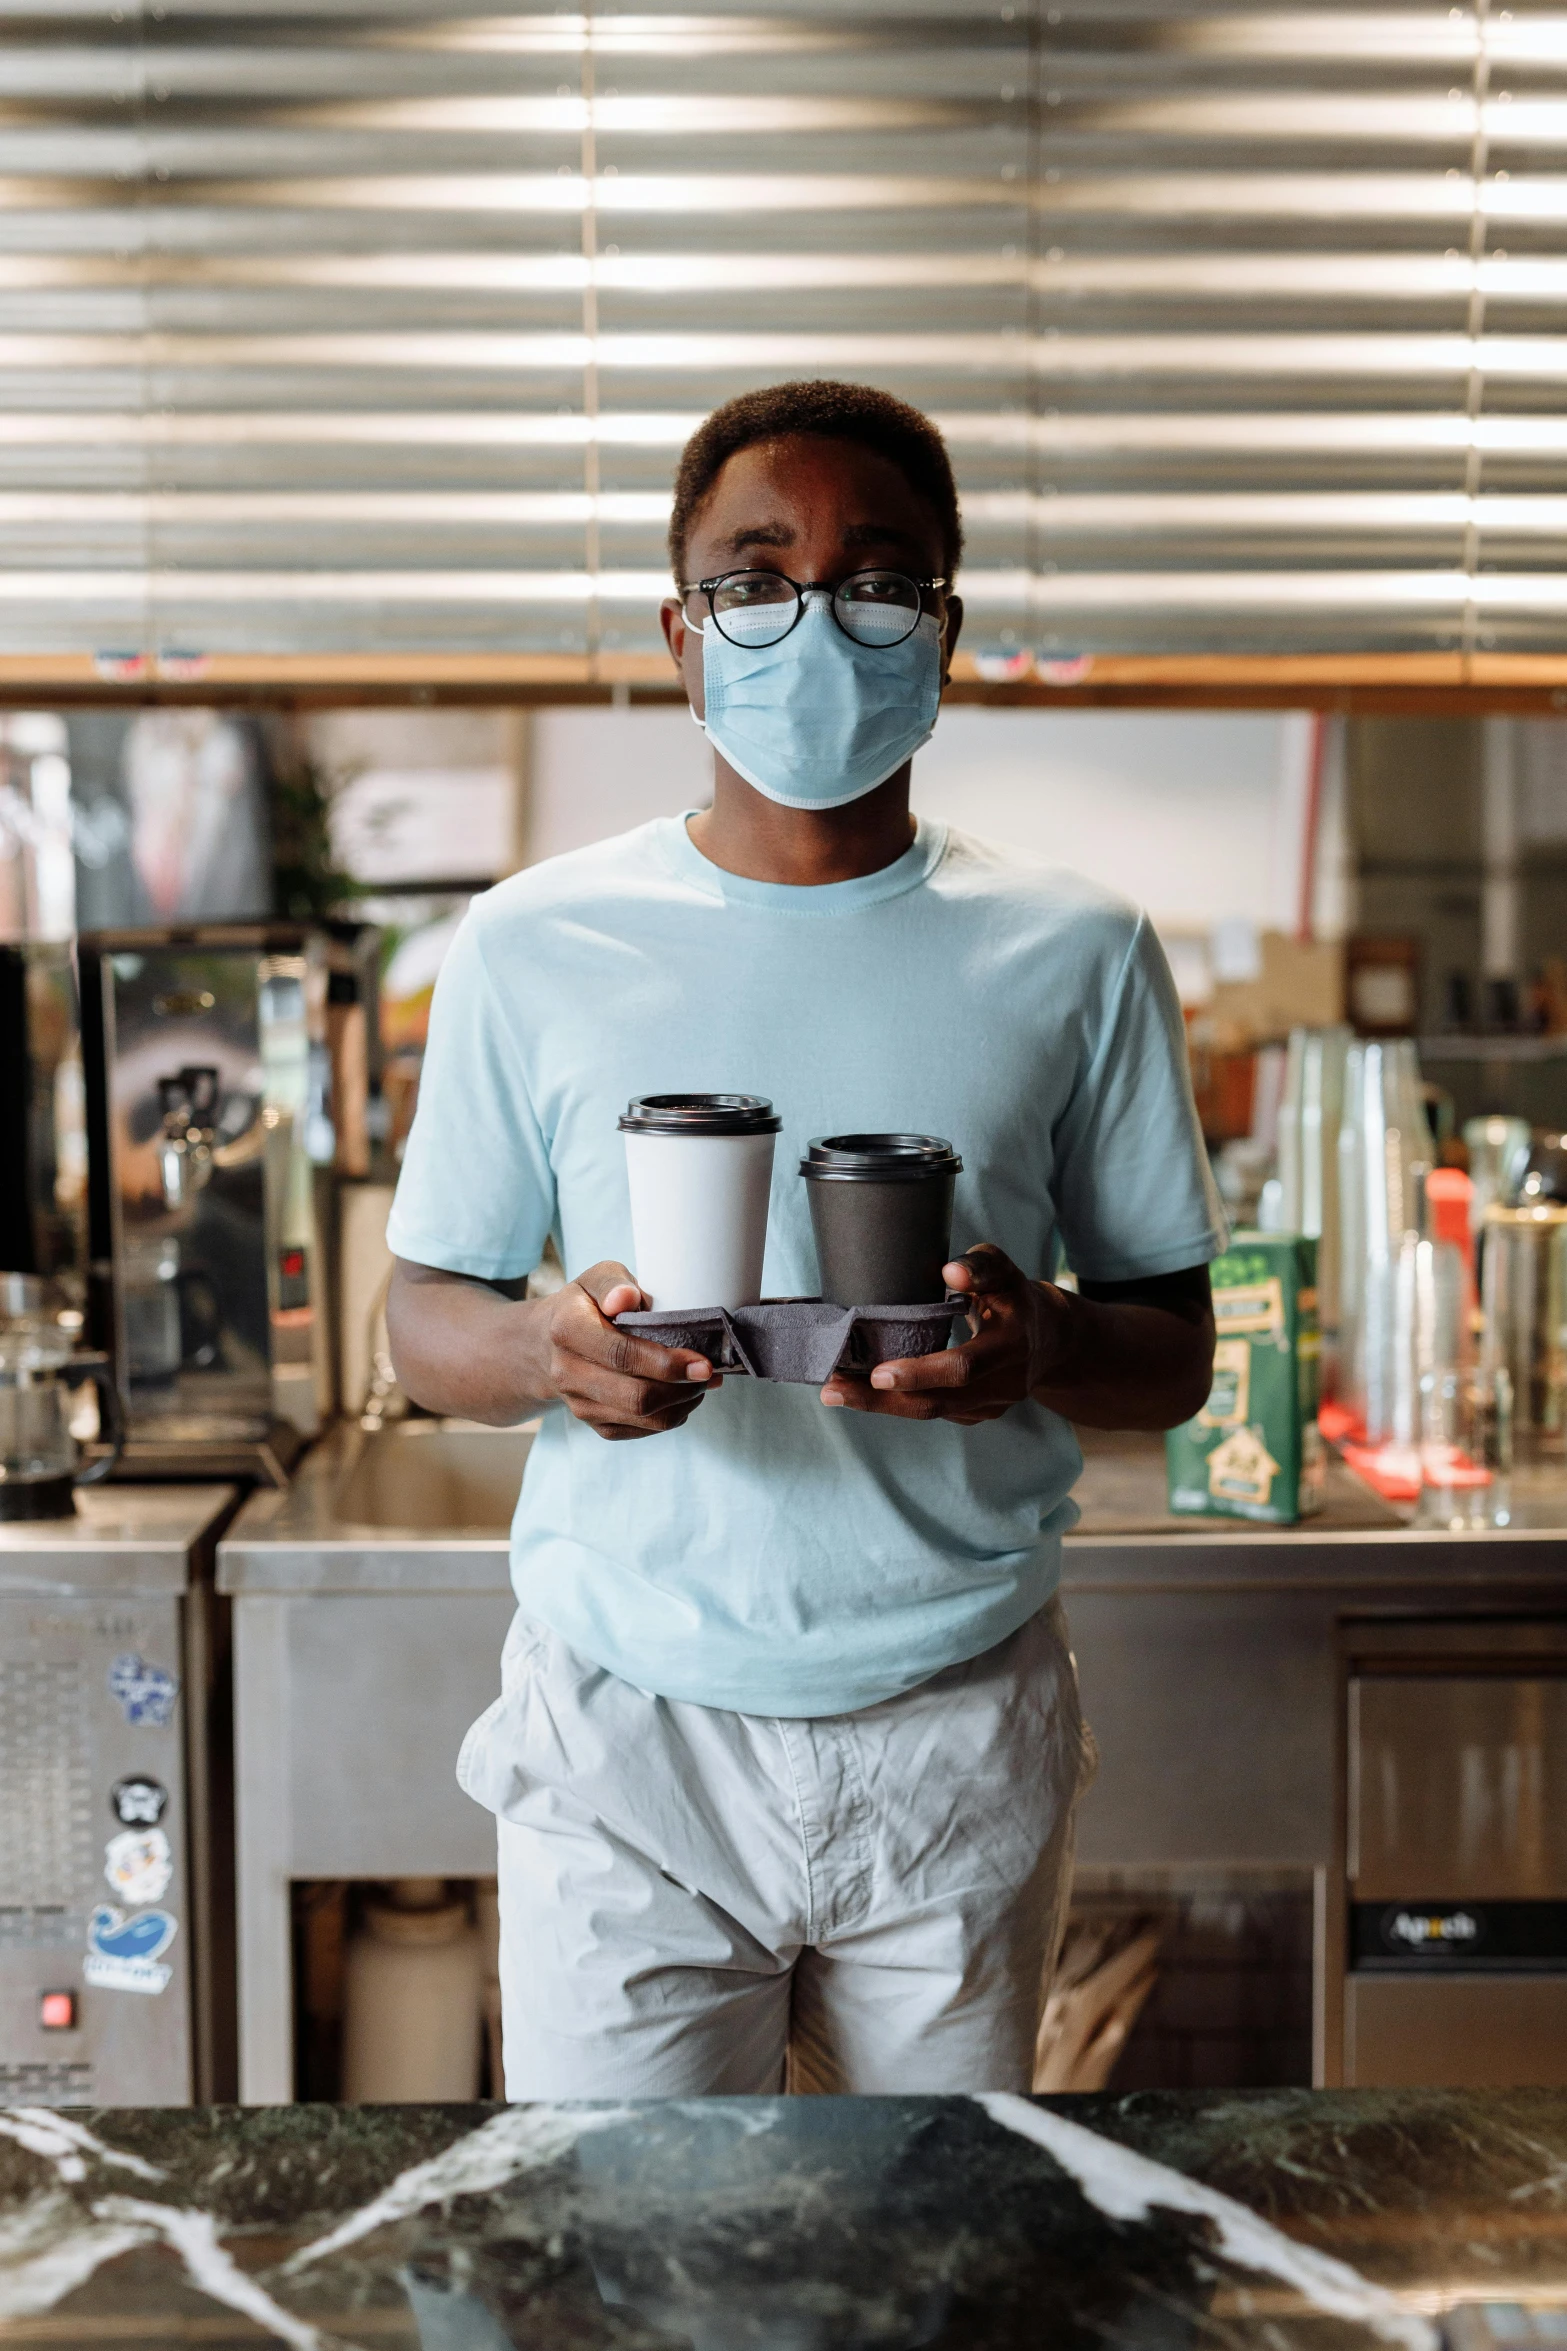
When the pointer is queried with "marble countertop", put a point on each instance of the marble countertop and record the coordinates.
(1240, 2221)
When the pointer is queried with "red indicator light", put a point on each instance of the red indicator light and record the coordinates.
(57, 2011)
(293, 1263)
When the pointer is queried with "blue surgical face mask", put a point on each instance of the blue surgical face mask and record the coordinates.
(819, 719)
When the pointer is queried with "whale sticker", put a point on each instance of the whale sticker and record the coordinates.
(146, 1691)
(124, 1954)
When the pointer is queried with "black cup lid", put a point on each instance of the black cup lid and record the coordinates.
(700, 1114)
(878, 1159)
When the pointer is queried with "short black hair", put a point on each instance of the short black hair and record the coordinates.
(830, 412)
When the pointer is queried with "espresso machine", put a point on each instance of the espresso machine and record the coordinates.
(207, 1085)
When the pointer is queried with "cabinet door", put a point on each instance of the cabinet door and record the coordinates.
(381, 1690)
(1457, 2033)
(1457, 1787)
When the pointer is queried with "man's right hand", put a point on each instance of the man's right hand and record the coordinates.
(621, 1385)
(479, 1351)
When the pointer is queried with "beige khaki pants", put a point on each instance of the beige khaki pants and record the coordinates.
(695, 1902)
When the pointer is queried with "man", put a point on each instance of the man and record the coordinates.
(788, 1746)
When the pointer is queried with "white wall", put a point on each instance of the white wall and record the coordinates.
(596, 772)
(1179, 810)
(1194, 814)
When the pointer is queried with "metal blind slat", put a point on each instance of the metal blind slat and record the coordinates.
(378, 328)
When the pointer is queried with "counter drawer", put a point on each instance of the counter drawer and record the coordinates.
(1493, 2032)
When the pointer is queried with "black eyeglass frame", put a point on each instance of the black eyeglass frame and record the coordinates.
(804, 588)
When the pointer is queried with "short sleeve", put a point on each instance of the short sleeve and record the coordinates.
(476, 1194)
(1133, 1189)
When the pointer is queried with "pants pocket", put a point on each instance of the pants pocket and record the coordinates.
(1087, 1744)
(487, 1767)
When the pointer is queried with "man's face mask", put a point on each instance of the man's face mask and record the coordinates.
(820, 717)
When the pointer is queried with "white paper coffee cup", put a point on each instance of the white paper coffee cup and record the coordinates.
(700, 1167)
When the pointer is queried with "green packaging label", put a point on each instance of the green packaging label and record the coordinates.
(1253, 1450)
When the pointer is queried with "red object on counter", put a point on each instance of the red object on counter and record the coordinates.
(1338, 1423)
(1449, 1199)
(1449, 1194)
(1394, 1471)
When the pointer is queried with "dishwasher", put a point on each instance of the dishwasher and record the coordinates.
(1449, 1909)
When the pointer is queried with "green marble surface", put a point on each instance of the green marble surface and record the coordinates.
(1253, 2221)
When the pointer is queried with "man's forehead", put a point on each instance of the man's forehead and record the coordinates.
(775, 494)
(785, 529)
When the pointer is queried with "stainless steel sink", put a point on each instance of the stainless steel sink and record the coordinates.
(427, 1476)
(420, 1505)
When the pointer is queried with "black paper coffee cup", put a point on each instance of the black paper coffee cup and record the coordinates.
(881, 1210)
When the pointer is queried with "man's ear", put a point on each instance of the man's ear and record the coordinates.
(949, 641)
(685, 649)
(672, 620)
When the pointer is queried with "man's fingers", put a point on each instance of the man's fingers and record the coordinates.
(586, 1332)
(585, 1383)
(852, 1395)
(953, 1367)
(982, 1268)
(612, 1416)
(613, 1291)
(602, 1280)
(619, 1430)
(632, 1358)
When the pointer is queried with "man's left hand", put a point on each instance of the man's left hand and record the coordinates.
(1021, 1339)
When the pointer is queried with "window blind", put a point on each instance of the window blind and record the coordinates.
(378, 326)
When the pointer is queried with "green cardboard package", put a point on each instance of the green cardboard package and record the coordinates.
(1253, 1451)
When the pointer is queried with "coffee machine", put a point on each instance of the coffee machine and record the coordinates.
(207, 1088)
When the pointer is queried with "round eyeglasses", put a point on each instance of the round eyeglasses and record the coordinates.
(760, 607)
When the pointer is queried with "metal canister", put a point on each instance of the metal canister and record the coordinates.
(1523, 1297)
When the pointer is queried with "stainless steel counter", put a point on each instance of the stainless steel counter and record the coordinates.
(118, 1539)
(417, 1506)
(371, 1601)
(427, 1505)
(1127, 1537)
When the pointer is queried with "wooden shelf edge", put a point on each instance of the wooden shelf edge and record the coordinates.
(1465, 685)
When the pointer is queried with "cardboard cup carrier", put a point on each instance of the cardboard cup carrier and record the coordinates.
(700, 1167)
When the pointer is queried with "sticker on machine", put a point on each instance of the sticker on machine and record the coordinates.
(138, 1802)
(146, 1691)
(124, 1954)
(139, 1865)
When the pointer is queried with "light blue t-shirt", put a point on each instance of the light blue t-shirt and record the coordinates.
(774, 1555)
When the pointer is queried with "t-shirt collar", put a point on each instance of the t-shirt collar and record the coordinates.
(918, 861)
